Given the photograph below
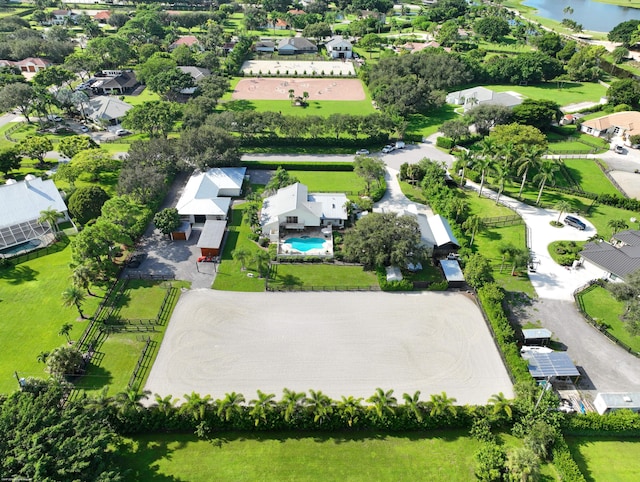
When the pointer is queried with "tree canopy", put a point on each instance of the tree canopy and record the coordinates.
(384, 239)
(86, 202)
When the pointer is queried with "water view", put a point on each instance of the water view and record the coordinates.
(592, 15)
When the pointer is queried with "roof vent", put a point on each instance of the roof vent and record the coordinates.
(29, 177)
(627, 399)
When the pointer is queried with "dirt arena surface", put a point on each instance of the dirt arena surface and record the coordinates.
(341, 343)
(312, 68)
(278, 89)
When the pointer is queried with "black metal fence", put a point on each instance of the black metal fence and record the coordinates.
(502, 221)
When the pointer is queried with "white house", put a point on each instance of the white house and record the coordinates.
(470, 98)
(611, 401)
(623, 124)
(207, 195)
(339, 48)
(22, 202)
(292, 207)
(106, 109)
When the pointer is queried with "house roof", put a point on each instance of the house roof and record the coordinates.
(269, 44)
(105, 107)
(484, 95)
(440, 231)
(188, 40)
(125, 80)
(103, 15)
(338, 41)
(61, 12)
(298, 43)
(536, 333)
(196, 73)
(212, 234)
(201, 194)
(621, 260)
(281, 23)
(619, 399)
(24, 200)
(35, 61)
(629, 121)
(296, 11)
(333, 204)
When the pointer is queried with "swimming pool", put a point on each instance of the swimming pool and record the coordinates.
(305, 244)
(22, 247)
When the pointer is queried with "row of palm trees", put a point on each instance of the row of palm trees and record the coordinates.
(293, 407)
(506, 160)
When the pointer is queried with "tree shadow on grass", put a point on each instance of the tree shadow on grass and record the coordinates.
(287, 281)
(239, 105)
(17, 275)
(95, 378)
(576, 453)
(141, 462)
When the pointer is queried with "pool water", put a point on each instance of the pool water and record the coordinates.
(305, 244)
(18, 248)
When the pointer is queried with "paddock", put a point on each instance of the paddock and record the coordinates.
(303, 68)
(260, 88)
(338, 342)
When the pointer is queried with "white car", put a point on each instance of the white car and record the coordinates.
(388, 148)
(535, 349)
(362, 152)
(122, 132)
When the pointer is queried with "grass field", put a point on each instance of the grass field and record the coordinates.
(425, 125)
(601, 306)
(589, 176)
(31, 302)
(308, 276)
(120, 352)
(331, 181)
(606, 460)
(570, 93)
(230, 276)
(350, 456)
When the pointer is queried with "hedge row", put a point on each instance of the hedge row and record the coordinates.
(620, 423)
(491, 297)
(275, 141)
(298, 166)
(566, 467)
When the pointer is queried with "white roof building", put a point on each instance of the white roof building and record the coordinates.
(106, 108)
(470, 98)
(21, 204)
(292, 207)
(207, 195)
(611, 401)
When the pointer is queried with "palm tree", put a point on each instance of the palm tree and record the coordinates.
(487, 147)
(501, 404)
(65, 330)
(414, 405)
(319, 405)
(507, 251)
(242, 255)
(130, 400)
(74, 296)
(617, 225)
(292, 95)
(522, 465)
(383, 402)
(42, 357)
(82, 276)
(292, 401)
(262, 259)
(230, 405)
(483, 164)
(508, 153)
(196, 405)
(440, 404)
(529, 158)
(467, 159)
(473, 225)
(50, 216)
(500, 174)
(562, 206)
(262, 407)
(349, 408)
(519, 257)
(165, 405)
(546, 173)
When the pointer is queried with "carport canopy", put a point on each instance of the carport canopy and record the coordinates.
(536, 335)
(452, 271)
(554, 364)
(212, 234)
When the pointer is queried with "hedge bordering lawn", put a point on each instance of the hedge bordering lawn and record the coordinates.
(298, 166)
(623, 423)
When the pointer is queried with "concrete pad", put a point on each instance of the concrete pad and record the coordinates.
(628, 181)
(341, 343)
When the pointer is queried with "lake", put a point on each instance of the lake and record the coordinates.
(601, 17)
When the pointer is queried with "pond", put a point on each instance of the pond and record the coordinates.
(592, 15)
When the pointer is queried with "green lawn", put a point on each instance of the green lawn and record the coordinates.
(31, 303)
(331, 181)
(145, 96)
(601, 306)
(606, 460)
(119, 352)
(589, 176)
(230, 276)
(310, 276)
(570, 93)
(427, 124)
(508, 45)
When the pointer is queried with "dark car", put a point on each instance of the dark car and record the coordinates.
(575, 222)
(136, 260)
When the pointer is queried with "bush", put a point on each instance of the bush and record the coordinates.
(444, 142)
(563, 461)
(438, 286)
(620, 423)
(253, 236)
(264, 242)
(404, 285)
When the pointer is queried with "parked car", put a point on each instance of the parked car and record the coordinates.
(535, 349)
(619, 149)
(362, 152)
(54, 118)
(575, 222)
(400, 145)
(388, 148)
(84, 129)
(122, 132)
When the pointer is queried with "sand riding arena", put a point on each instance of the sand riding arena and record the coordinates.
(260, 88)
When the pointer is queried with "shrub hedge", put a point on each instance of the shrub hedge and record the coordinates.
(622, 423)
(563, 461)
(298, 166)
(403, 285)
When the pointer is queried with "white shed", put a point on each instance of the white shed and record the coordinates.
(610, 401)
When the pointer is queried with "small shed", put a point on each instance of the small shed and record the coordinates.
(610, 401)
(452, 272)
(183, 233)
(556, 364)
(537, 336)
(394, 273)
(210, 241)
